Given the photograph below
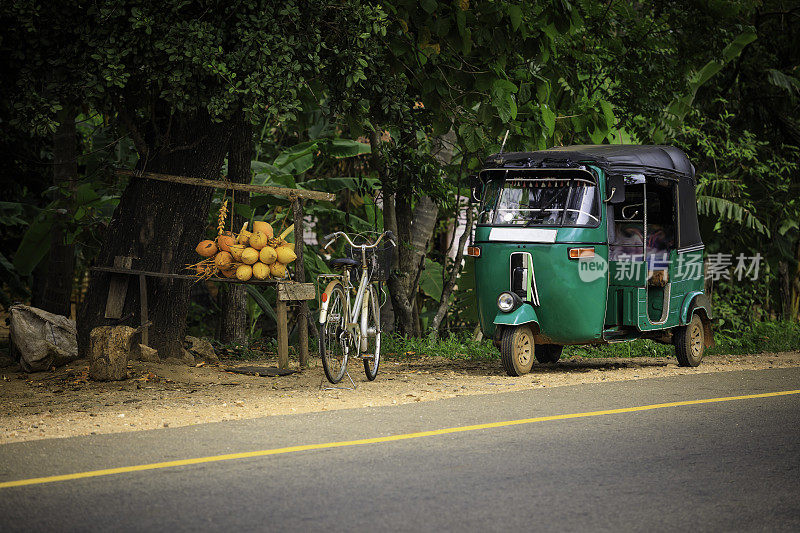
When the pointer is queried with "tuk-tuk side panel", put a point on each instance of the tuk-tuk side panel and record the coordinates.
(689, 276)
(623, 306)
(614, 307)
(627, 273)
(682, 281)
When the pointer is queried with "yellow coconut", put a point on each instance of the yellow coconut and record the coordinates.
(263, 227)
(289, 245)
(278, 270)
(244, 272)
(225, 241)
(267, 255)
(285, 255)
(244, 237)
(223, 260)
(230, 273)
(249, 256)
(260, 271)
(258, 240)
(236, 251)
(206, 248)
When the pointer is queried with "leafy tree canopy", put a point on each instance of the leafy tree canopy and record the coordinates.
(151, 61)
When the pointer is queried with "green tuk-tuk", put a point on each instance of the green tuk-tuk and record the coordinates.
(589, 245)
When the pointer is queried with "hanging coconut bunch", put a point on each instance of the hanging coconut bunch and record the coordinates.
(258, 254)
(262, 254)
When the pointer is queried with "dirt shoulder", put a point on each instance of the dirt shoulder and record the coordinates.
(64, 403)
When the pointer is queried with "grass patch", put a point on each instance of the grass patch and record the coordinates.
(761, 337)
(397, 347)
(637, 348)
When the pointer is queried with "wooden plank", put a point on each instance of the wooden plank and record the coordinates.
(117, 288)
(245, 187)
(143, 320)
(131, 272)
(300, 276)
(283, 335)
(295, 291)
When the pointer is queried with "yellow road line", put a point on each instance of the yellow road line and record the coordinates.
(376, 440)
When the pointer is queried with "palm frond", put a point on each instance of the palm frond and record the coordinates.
(731, 212)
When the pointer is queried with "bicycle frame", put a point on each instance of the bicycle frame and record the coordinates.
(355, 315)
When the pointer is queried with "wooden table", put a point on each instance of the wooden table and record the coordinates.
(288, 291)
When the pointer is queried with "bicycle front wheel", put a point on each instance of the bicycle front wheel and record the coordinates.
(332, 337)
(372, 357)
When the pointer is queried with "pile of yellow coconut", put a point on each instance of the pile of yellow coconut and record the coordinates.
(250, 254)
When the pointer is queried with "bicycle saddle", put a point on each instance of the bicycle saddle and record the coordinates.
(343, 262)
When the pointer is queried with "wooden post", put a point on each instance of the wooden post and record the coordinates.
(117, 288)
(143, 320)
(283, 335)
(300, 276)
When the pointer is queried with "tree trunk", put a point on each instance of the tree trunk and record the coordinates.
(785, 290)
(794, 304)
(159, 224)
(444, 303)
(415, 228)
(389, 224)
(233, 300)
(53, 279)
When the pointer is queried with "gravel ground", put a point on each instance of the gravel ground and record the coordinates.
(64, 403)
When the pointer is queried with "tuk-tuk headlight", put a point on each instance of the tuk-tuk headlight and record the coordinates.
(508, 301)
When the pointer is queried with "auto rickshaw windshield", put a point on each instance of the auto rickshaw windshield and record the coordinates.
(570, 202)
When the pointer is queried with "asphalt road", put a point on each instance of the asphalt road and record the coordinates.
(718, 466)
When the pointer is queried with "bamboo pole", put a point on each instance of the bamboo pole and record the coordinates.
(245, 187)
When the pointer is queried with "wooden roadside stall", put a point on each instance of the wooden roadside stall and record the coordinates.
(296, 290)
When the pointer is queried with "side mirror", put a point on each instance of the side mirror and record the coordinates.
(476, 187)
(615, 189)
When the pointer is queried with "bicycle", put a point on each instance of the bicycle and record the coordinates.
(353, 324)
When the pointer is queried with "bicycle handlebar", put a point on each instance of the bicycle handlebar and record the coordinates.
(330, 238)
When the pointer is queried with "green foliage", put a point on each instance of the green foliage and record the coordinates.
(744, 182)
(430, 280)
(762, 337)
(158, 59)
(453, 347)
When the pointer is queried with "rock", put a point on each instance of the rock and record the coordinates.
(202, 350)
(110, 348)
(41, 340)
(188, 358)
(174, 361)
(142, 352)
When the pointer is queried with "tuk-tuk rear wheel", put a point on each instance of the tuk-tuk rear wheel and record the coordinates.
(517, 350)
(690, 342)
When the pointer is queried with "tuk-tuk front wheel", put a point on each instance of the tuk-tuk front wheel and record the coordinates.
(517, 350)
(690, 342)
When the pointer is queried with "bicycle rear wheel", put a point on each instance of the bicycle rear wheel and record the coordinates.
(332, 341)
(372, 357)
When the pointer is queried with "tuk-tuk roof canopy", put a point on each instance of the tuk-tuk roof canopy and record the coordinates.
(613, 158)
